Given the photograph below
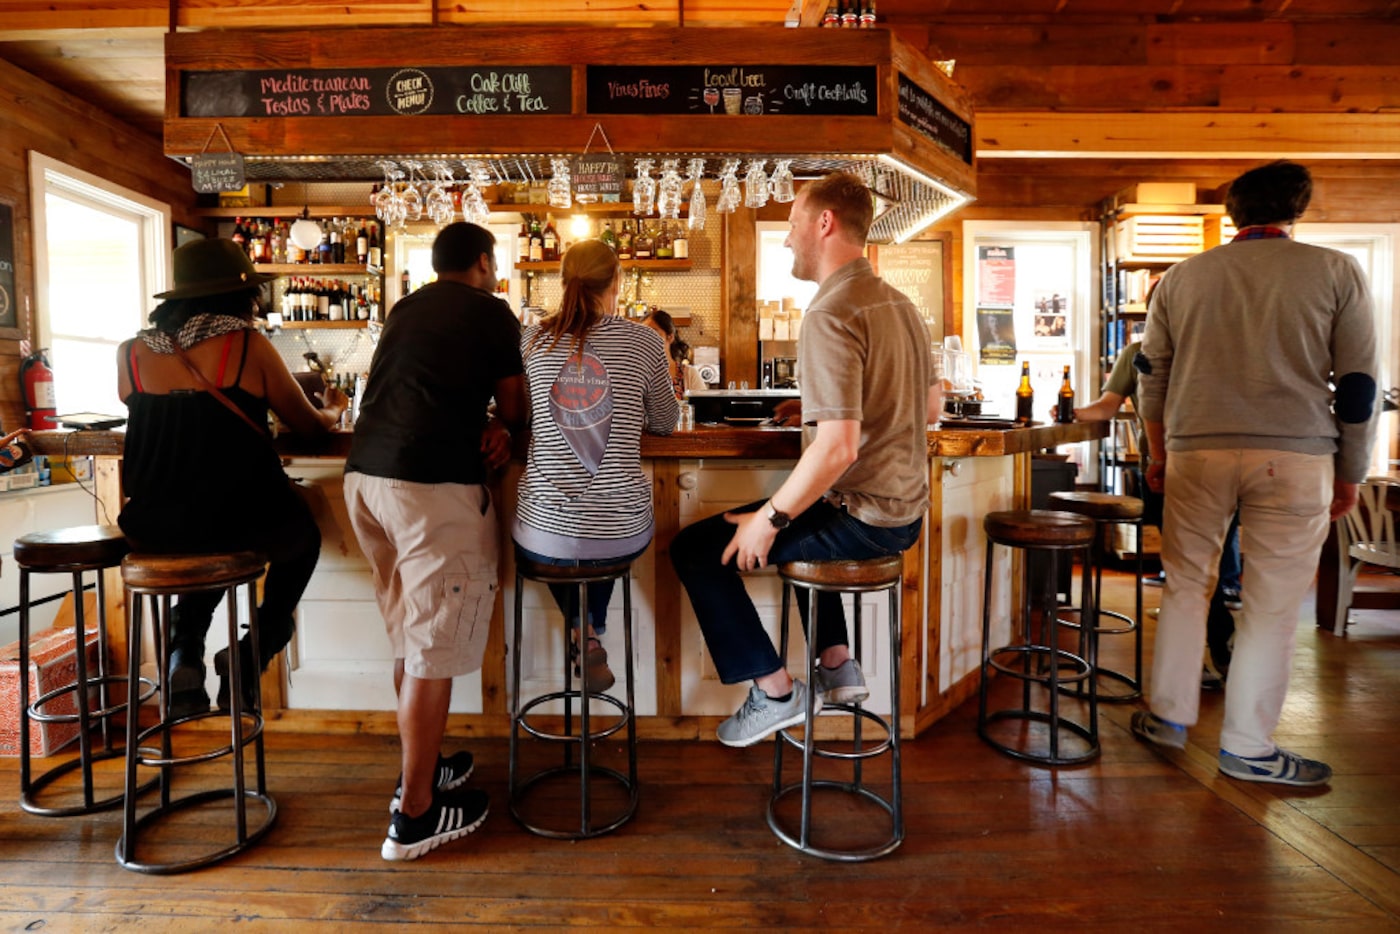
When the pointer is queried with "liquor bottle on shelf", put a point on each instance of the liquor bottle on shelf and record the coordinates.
(376, 253)
(867, 14)
(323, 250)
(608, 236)
(361, 245)
(680, 243)
(550, 246)
(832, 19)
(277, 246)
(1025, 396)
(663, 248)
(536, 242)
(522, 242)
(642, 243)
(337, 244)
(624, 240)
(1064, 402)
(850, 14)
(239, 236)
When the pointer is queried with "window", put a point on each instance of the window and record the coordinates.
(100, 252)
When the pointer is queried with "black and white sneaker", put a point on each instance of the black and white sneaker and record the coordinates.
(451, 773)
(452, 814)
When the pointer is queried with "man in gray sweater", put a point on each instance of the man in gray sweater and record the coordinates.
(1258, 388)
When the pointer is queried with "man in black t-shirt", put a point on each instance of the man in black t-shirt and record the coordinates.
(415, 488)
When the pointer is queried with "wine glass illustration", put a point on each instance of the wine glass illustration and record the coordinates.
(712, 98)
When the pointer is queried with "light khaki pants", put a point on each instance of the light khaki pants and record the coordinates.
(1283, 499)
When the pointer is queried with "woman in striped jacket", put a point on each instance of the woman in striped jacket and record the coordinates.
(596, 382)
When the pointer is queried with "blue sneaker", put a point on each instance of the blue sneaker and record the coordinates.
(1281, 768)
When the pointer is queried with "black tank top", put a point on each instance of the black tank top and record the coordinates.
(196, 476)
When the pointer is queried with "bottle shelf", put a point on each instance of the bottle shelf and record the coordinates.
(366, 211)
(317, 269)
(356, 324)
(678, 265)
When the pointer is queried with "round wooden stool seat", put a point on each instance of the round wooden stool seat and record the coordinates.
(1038, 528)
(81, 546)
(1102, 507)
(569, 574)
(152, 573)
(845, 572)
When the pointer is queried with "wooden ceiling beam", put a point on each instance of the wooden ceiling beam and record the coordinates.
(1036, 134)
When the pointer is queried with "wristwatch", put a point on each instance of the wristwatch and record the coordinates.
(777, 518)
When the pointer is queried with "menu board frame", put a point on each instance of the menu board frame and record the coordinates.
(733, 90)
(933, 294)
(9, 290)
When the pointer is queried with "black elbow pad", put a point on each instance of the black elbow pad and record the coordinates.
(1355, 399)
(1141, 363)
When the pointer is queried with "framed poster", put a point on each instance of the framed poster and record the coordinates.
(9, 299)
(922, 270)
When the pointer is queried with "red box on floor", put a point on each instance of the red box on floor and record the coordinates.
(52, 664)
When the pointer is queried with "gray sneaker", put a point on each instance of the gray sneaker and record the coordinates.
(844, 684)
(761, 716)
(1281, 768)
(1158, 732)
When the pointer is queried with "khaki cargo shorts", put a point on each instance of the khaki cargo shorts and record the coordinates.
(433, 550)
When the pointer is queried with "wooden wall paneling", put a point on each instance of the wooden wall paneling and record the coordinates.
(1030, 44)
(1080, 86)
(1266, 43)
(223, 14)
(739, 328)
(667, 593)
(1364, 89)
(1343, 42)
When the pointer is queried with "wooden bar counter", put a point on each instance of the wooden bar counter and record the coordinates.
(340, 670)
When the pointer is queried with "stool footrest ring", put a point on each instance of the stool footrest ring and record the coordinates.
(518, 793)
(1079, 669)
(841, 856)
(208, 859)
(1038, 716)
(151, 758)
(869, 752)
(593, 735)
(26, 800)
(38, 715)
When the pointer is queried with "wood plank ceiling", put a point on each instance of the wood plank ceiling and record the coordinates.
(1110, 82)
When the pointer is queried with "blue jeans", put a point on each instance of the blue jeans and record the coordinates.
(728, 619)
(566, 595)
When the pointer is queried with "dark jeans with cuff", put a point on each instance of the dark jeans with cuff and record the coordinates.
(728, 619)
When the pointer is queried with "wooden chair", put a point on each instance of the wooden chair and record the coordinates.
(1366, 535)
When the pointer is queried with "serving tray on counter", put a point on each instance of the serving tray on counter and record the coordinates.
(982, 422)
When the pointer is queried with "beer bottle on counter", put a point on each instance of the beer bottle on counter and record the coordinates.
(1025, 396)
(1064, 404)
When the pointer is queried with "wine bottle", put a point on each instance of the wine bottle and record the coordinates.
(550, 246)
(536, 242)
(376, 253)
(361, 245)
(1064, 403)
(1025, 396)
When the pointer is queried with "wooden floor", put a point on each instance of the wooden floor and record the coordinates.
(1136, 840)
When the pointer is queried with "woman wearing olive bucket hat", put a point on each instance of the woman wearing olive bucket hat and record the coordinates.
(200, 472)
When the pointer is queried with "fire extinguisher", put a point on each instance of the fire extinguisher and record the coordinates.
(36, 383)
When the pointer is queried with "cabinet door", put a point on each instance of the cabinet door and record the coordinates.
(980, 485)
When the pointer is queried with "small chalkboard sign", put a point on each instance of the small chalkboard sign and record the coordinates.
(9, 314)
(596, 176)
(217, 171)
(929, 117)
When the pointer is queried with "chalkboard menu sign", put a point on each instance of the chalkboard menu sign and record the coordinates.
(9, 314)
(916, 268)
(596, 176)
(219, 171)
(801, 90)
(929, 117)
(350, 92)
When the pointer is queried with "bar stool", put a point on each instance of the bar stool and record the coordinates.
(155, 579)
(1042, 662)
(852, 576)
(1107, 510)
(74, 551)
(585, 768)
